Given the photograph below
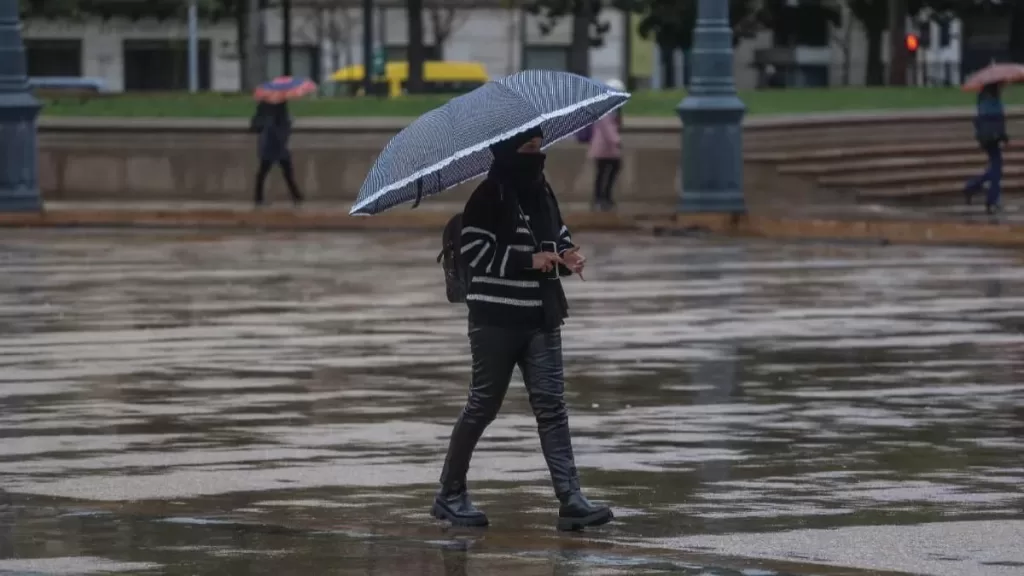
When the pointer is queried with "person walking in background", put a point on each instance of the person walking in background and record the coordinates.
(274, 125)
(515, 248)
(990, 131)
(606, 151)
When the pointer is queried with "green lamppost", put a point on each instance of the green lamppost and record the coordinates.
(712, 115)
(19, 187)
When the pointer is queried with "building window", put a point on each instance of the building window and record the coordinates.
(162, 65)
(400, 53)
(546, 58)
(305, 62)
(944, 33)
(46, 57)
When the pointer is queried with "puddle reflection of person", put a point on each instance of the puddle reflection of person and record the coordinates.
(516, 248)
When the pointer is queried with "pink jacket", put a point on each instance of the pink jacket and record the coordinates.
(605, 142)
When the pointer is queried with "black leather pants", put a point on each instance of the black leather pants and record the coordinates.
(496, 352)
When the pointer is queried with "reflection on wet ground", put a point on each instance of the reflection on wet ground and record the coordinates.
(279, 404)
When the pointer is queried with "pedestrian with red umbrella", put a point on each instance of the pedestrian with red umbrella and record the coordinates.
(273, 123)
(990, 128)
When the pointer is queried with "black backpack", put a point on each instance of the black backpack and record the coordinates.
(456, 276)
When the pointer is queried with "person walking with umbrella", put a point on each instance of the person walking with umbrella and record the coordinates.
(504, 256)
(273, 123)
(990, 131)
(516, 247)
(990, 127)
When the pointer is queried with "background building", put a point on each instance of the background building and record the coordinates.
(327, 35)
(152, 55)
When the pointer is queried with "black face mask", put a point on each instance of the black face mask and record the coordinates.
(523, 167)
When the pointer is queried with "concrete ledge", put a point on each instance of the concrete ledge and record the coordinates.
(948, 232)
(390, 125)
(881, 231)
(274, 219)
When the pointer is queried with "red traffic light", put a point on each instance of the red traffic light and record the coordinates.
(913, 42)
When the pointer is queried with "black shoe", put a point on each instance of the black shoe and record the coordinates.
(578, 513)
(969, 196)
(458, 509)
(993, 208)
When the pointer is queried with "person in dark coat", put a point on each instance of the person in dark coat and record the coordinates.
(275, 127)
(516, 247)
(990, 131)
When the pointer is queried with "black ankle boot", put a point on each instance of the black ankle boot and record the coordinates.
(457, 508)
(577, 513)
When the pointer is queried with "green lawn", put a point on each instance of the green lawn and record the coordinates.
(765, 102)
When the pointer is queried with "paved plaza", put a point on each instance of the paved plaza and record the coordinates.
(278, 404)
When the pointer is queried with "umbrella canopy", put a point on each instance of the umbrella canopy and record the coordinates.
(450, 145)
(994, 74)
(284, 88)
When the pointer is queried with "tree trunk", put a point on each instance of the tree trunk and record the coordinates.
(876, 69)
(668, 66)
(242, 43)
(1016, 50)
(256, 44)
(579, 51)
(898, 42)
(414, 12)
(847, 42)
(286, 37)
(512, 40)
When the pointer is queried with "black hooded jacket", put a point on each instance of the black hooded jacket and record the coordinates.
(504, 223)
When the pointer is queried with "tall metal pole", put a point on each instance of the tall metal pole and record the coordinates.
(712, 115)
(367, 47)
(286, 37)
(898, 57)
(19, 169)
(193, 47)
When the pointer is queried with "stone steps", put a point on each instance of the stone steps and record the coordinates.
(876, 165)
(836, 154)
(888, 178)
(946, 190)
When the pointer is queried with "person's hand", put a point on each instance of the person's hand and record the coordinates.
(574, 260)
(546, 261)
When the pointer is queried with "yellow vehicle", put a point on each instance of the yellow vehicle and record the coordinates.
(439, 77)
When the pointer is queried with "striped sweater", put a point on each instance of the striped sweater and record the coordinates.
(504, 288)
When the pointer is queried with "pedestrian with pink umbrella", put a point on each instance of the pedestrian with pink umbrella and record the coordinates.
(990, 128)
(273, 123)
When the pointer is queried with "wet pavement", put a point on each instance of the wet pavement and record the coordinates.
(279, 404)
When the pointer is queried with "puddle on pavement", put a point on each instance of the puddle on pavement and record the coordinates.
(162, 393)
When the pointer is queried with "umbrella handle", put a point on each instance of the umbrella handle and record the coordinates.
(419, 193)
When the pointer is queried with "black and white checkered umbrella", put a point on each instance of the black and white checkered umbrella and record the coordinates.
(450, 145)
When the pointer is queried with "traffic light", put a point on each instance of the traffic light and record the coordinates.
(913, 42)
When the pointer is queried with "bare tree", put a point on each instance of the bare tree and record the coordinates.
(842, 38)
(256, 45)
(415, 55)
(445, 20)
(512, 33)
(898, 55)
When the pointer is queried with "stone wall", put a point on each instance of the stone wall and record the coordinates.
(215, 160)
(131, 163)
